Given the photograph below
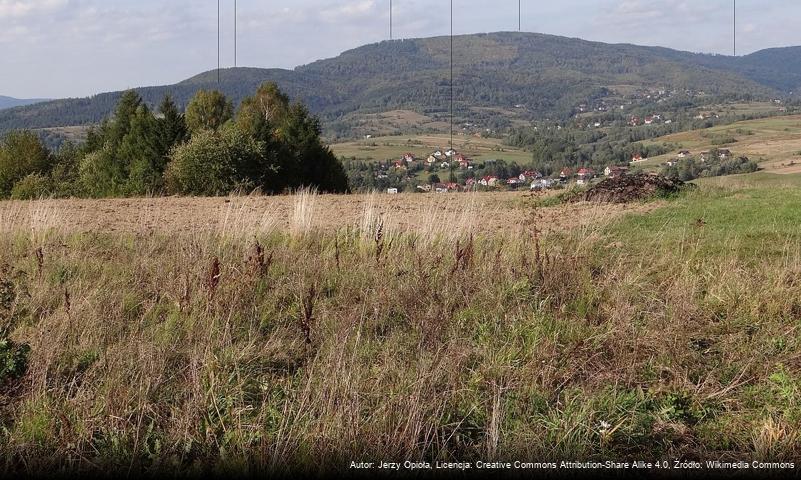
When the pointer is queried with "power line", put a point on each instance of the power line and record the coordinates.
(735, 28)
(390, 19)
(235, 18)
(519, 16)
(453, 155)
(218, 41)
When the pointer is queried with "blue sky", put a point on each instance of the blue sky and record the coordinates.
(58, 48)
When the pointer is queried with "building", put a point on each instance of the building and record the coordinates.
(614, 171)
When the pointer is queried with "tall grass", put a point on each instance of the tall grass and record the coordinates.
(305, 201)
(259, 353)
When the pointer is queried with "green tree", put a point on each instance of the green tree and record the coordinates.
(214, 163)
(208, 110)
(140, 155)
(21, 154)
(171, 126)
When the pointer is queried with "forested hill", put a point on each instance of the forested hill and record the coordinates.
(545, 75)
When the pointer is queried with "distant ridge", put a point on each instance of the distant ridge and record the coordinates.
(548, 75)
(10, 102)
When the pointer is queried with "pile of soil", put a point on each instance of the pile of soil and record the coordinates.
(631, 188)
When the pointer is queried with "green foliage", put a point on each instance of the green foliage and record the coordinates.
(690, 168)
(208, 110)
(215, 163)
(13, 358)
(21, 154)
(273, 145)
(35, 185)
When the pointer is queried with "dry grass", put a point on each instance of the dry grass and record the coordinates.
(258, 348)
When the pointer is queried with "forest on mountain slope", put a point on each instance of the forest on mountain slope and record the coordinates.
(543, 76)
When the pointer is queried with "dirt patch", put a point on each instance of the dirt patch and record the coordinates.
(631, 188)
(479, 213)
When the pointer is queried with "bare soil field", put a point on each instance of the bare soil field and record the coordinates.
(481, 213)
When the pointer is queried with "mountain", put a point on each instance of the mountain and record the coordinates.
(10, 102)
(497, 76)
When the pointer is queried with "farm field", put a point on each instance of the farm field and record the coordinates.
(393, 147)
(276, 335)
(426, 214)
(775, 142)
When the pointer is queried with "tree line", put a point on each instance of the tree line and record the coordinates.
(269, 143)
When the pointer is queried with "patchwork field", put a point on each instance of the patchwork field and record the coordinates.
(774, 142)
(391, 148)
(258, 336)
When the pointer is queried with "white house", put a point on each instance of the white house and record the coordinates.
(392, 191)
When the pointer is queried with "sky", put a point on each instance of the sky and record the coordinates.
(75, 48)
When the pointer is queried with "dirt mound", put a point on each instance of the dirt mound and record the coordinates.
(630, 188)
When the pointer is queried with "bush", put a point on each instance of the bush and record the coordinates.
(13, 359)
(21, 153)
(215, 163)
(31, 187)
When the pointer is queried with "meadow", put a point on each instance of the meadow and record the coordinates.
(381, 149)
(304, 332)
(775, 142)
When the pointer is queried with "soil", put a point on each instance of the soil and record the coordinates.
(479, 212)
(631, 188)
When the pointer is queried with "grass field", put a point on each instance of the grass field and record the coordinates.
(775, 142)
(301, 333)
(392, 148)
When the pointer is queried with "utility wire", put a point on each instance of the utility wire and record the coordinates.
(390, 19)
(218, 41)
(235, 33)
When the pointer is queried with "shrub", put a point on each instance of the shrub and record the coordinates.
(31, 187)
(13, 359)
(216, 163)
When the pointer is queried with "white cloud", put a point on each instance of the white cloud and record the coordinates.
(20, 9)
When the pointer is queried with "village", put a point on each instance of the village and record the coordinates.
(449, 162)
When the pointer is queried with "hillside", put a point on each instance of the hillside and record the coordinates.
(500, 78)
(11, 102)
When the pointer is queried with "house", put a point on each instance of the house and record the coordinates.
(565, 174)
(463, 161)
(513, 182)
(392, 191)
(584, 176)
(408, 157)
(724, 154)
(437, 154)
(450, 153)
(445, 165)
(704, 156)
(531, 175)
(614, 171)
(440, 188)
(489, 181)
(649, 120)
(400, 165)
(634, 121)
(431, 160)
(424, 188)
(637, 158)
(470, 182)
(541, 184)
(683, 154)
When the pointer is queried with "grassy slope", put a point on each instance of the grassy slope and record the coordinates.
(657, 336)
(391, 148)
(775, 142)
